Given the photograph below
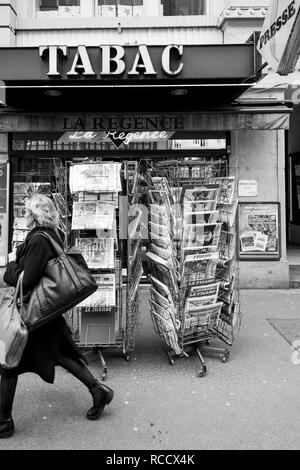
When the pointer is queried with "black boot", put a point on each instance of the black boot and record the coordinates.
(7, 427)
(102, 395)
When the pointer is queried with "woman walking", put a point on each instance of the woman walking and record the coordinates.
(50, 344)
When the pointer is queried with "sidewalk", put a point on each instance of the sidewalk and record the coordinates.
(251, 402)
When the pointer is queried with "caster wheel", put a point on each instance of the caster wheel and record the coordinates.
(103, 377)
(201, 373)
(127, 358)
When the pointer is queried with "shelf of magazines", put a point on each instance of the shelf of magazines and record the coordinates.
(95, 186)
(134, 260)
(26, 184)
(194, 281)
(107, 318)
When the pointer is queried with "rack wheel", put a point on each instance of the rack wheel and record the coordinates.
(104, 375)
(203, 371)
(127, 358)
(225, 357)
(171, 360)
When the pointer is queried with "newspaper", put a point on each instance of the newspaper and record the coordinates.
(164, 271)
(204, 217)
(200, 266)
(165, 326)
(105, 295)
(166, 304)
(200, 206)
(227, 245)
(227, 184)
(201, 234)
(92, 215)
(202, 318)
(95, 177)
(98, 253)
(196, 193)
(228, 212)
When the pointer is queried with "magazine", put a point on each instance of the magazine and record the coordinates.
(159, 231)
(202, 318)
(200, 265)
(165, 326)
(161, 288)
(164, 271)
(227, 245)
(95, 177)
(227, 184)
(165, 304)
(92, 215)
(196, 193)
(205, 217)
(201, 234)
(228, 212)
(105, 295)
(200, 206)
(98, 253)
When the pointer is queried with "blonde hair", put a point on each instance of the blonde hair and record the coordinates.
(43, 210)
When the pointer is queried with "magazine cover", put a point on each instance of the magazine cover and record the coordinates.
(165, 326)
(164, 272)
(228, 212)
(227, 189)
(97, 252)
(196, 193)
(105, 295)
(92, 215)
(201, 234)
(200, 266)
(204, 217)
(95, 177)
(203, 318)
(200, 206)
(227, 245)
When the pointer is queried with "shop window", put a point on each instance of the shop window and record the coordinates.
(111, 8)
(48, 8)
(183, 7)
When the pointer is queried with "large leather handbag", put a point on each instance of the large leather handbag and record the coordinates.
(66, 281)
(13, 332)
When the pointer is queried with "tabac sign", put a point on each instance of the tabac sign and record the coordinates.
(112, 61)
(279, 41)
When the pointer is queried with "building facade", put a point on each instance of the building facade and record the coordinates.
(185, 66)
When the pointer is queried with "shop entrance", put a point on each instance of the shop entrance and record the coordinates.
(293, 219)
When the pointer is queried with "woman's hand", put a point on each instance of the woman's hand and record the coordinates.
(12, 256)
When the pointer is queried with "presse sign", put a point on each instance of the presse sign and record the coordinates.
(279, 41)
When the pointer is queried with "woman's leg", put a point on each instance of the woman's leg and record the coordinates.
(78, 369)
(102, 395)
(7, 394)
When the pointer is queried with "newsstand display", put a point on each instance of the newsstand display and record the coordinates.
(194, 293)
(183, 212)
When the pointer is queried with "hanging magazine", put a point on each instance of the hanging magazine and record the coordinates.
(105, 295)
(201, 234)
(98, 253)
(196, 193)
(92, 215)
(95, 177)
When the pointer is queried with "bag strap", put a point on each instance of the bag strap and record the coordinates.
(53, 243)
(19, 288)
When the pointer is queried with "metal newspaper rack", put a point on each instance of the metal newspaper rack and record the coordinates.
(114, 326)
(194, 294)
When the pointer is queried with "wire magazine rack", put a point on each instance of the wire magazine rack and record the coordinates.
(194, 294)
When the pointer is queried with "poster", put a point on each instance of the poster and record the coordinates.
(259, 230)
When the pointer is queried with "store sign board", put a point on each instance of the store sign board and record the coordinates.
(279, 41)
(247, 188)
(64, 65)
(118, 138)
(123, 123)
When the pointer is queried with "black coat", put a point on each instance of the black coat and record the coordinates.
(51, 341)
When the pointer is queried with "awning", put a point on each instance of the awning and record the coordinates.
(226, 119)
